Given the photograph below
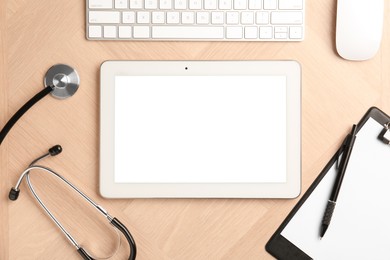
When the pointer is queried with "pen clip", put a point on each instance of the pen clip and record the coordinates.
(384, 135)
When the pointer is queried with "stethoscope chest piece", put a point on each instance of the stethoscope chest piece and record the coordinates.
(60, 80)
(64, 79)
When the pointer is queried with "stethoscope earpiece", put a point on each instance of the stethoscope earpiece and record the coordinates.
(63, 79)
(55, 150)
(13, 194)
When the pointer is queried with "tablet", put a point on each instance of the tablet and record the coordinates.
(200, 129)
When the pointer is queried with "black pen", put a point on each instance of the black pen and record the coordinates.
(350, 140)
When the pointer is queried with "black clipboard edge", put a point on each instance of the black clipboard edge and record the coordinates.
(278, 246)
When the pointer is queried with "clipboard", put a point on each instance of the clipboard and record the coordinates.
(361, 221)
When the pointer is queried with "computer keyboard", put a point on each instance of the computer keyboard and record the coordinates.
(196, 20)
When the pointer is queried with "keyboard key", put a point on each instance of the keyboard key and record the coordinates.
(281, 29)
(109, 31)
(217, 17)
(142, 32)
(187, 32)
(136, 4)
(286, 18)
(290, 4)
(240, 4)
(158, 17)
(103, 17)
(195, 4)
(262, 18)
(143, 17)
(280, 35)
(210, 4)
(180, 4)
(100, 4)
(202, 17)
(225, 4)
(173, 17)
(247, 17)
(296, 32)
(188, 18)
(165, 4)
(125, 32)
(255, 4)
(250, 32)
(270, 4)
(150, 4)
(121, 4)
(128, 17)
(95, 31)
(234, 32)
(265, 32)
(232, 17)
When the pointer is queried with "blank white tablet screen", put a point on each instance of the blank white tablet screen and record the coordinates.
(200, 129)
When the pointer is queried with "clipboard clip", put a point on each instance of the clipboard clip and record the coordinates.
(384, 136)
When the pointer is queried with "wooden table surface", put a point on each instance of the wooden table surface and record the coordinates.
(34, 35)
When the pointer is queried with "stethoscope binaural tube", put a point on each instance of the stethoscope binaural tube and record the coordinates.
(14, 194)
(61, 81)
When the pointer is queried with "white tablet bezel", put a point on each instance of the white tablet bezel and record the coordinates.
(111, 69)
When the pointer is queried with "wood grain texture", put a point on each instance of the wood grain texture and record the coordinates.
(4, 228)
(34, 35)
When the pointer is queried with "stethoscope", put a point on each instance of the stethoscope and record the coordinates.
(62, 81)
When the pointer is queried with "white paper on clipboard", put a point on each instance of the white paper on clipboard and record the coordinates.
(360, 226)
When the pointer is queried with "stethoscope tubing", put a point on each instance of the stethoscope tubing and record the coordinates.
(23, 110)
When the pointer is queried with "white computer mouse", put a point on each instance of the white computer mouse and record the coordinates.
(359, 28)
